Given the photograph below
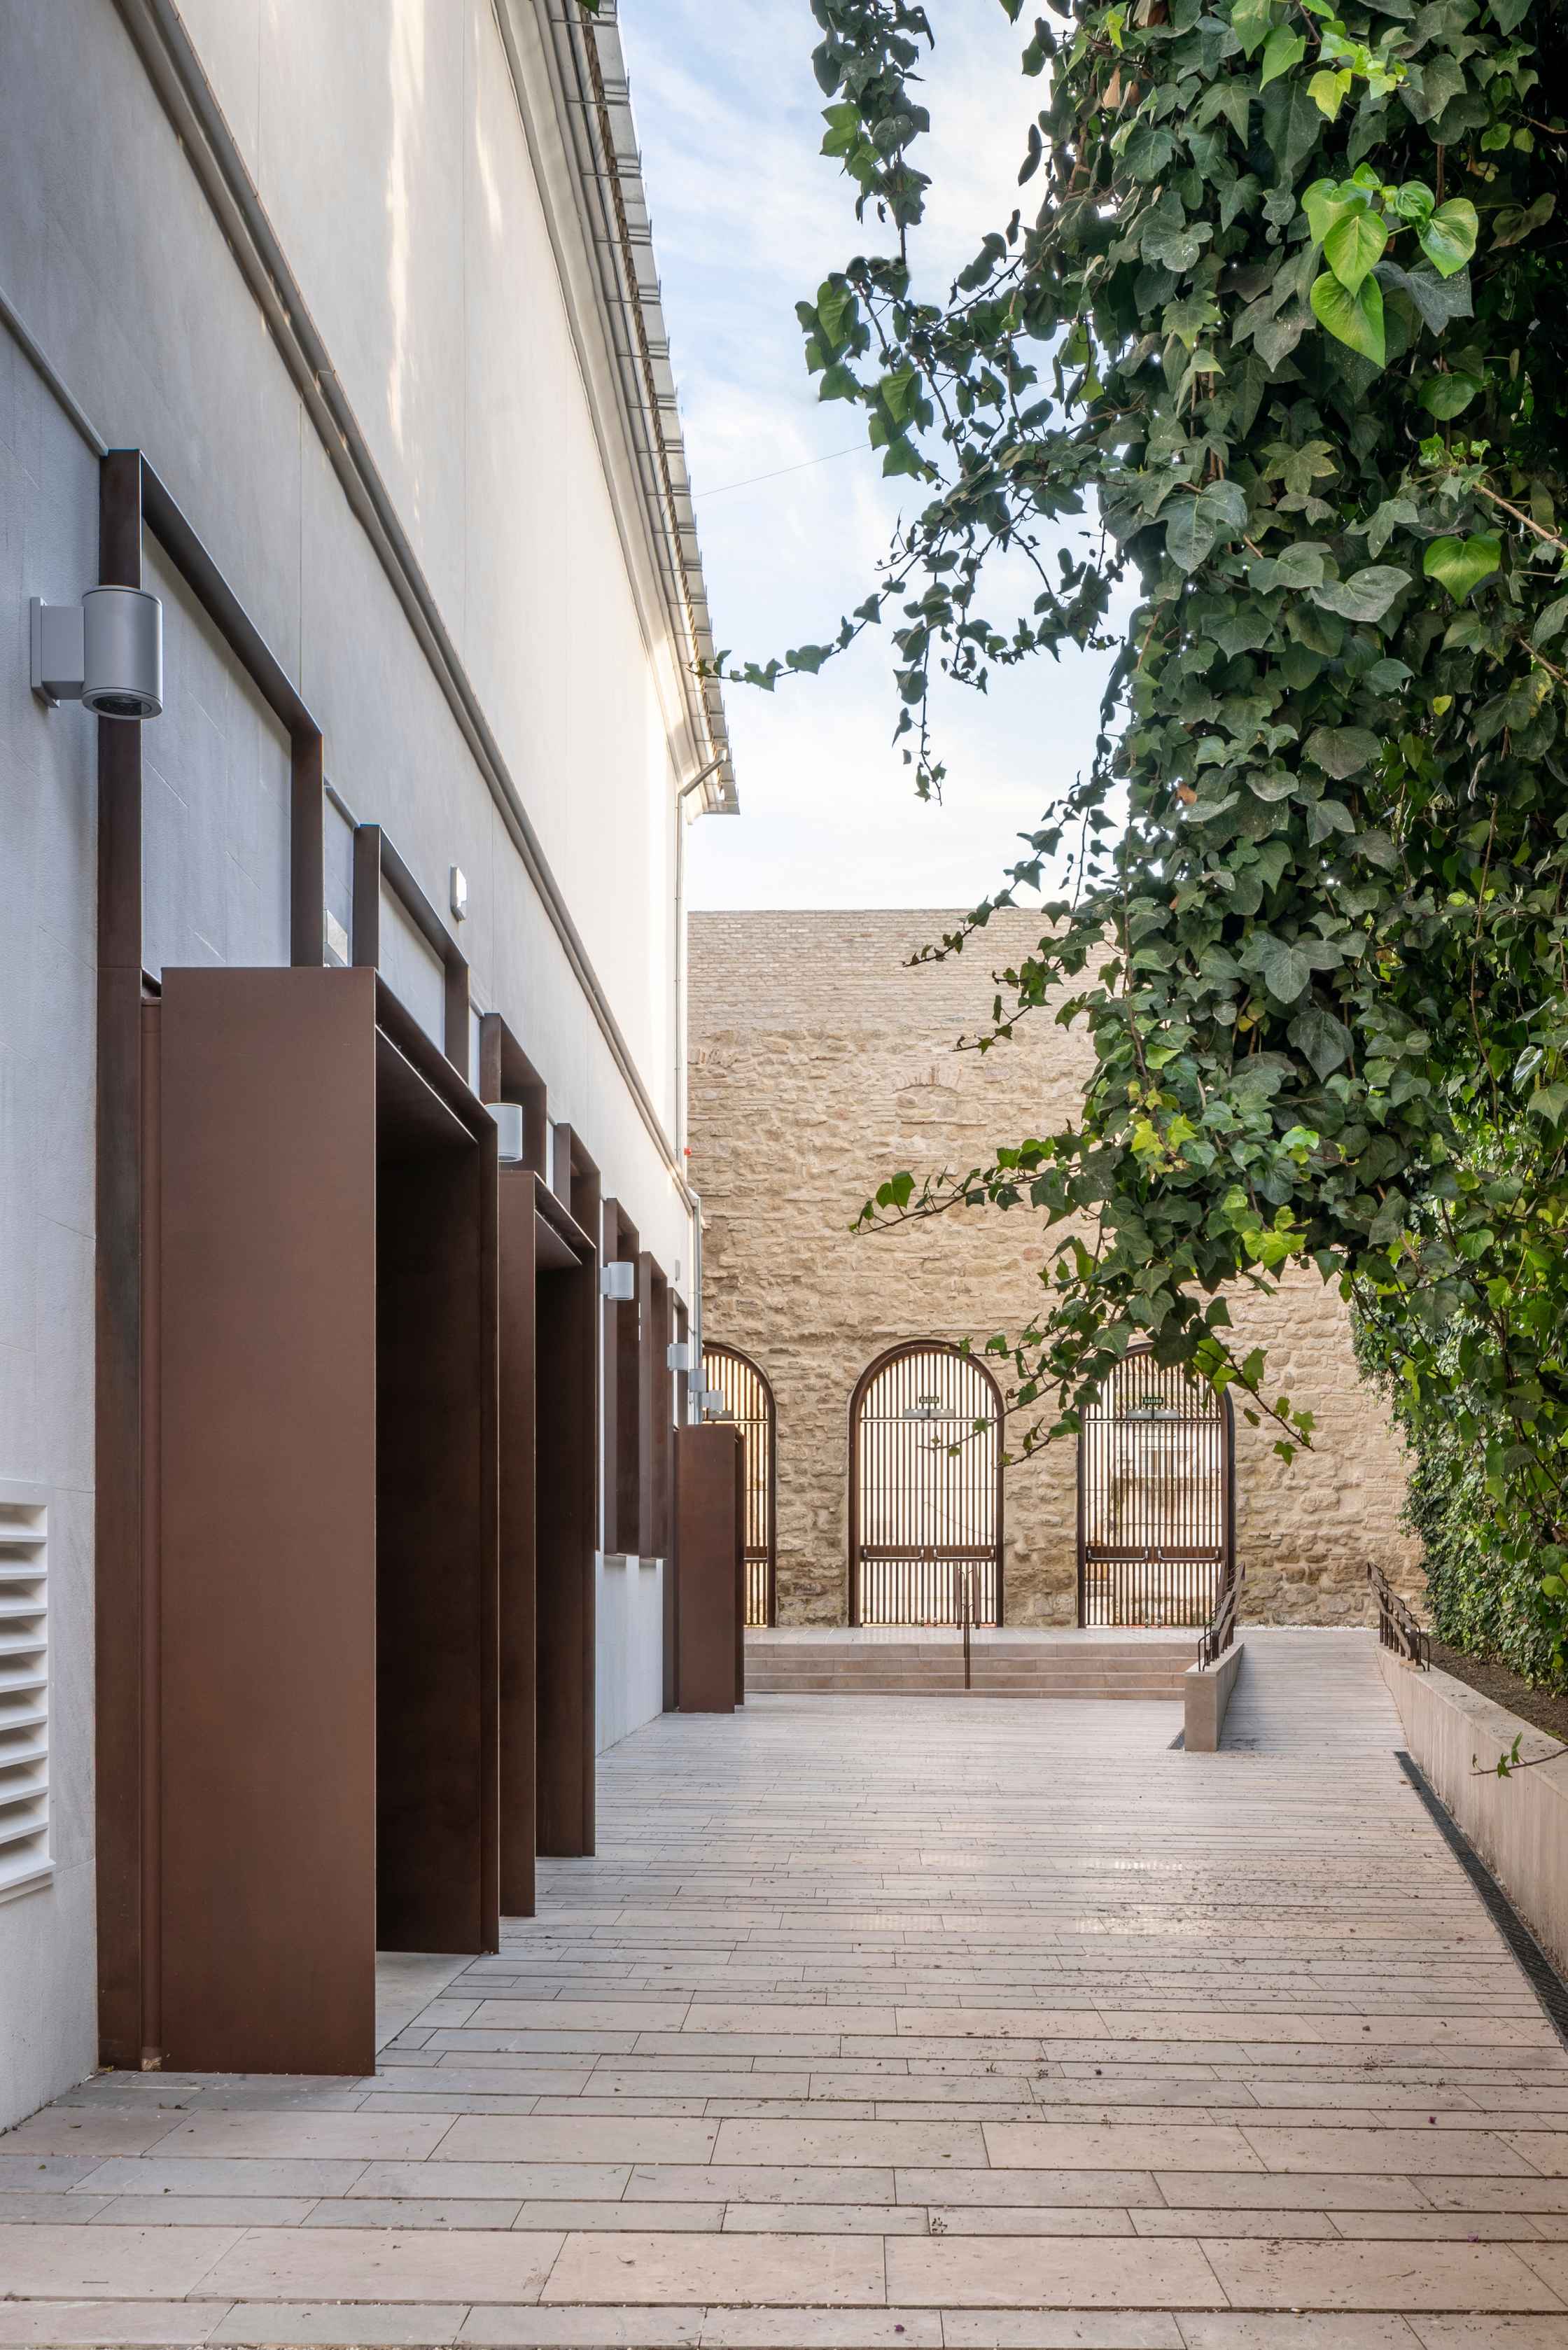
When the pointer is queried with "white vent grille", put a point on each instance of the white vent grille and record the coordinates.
(24, 1690)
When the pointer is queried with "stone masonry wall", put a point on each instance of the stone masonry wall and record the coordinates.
(820, 1064)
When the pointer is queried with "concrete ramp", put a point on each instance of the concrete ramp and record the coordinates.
(896, 1662)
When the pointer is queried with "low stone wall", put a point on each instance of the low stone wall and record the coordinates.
(1518, 1824)
(1205, 1693)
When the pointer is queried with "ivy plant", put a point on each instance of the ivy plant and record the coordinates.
(1275, 337)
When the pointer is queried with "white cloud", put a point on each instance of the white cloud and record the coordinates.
(747, 219)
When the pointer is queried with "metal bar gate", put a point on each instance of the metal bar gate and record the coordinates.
(925, 1490)
(749, 1402)
(1155, 1497)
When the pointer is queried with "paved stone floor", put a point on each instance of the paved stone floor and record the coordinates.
(892, 2024)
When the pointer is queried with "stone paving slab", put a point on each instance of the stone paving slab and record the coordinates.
(891, 2024)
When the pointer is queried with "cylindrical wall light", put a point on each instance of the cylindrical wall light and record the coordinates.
(508, 1117)
(618, 1282)
(105, 653)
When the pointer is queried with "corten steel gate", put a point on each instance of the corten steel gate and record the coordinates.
(749, 1400)
(1156, 1504)
(925, 1489)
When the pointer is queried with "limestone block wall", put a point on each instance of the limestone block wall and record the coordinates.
(820, 1064)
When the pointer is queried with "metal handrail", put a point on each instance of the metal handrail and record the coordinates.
(1396, 1626)
(1220, 1630)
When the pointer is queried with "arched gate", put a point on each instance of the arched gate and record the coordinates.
(749, 1401)
(925, 1489)
(1156, 1507)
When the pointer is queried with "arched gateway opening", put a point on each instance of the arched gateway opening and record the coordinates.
(925, 1489)
(749, 1402)
(1157, 1497)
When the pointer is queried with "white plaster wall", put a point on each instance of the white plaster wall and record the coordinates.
(215, 799)
(390, 153)
(629, 1596)
(388, 148)
(48, 542)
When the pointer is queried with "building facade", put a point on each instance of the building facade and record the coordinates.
(334, 328)
(821, 1064)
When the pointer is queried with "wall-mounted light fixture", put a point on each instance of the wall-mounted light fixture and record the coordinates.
(713, 1400)
(508, 1117)
(457, 894)
(677, 1355)
(105, 653)
(618, 1282)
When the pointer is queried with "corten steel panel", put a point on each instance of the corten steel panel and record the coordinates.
(123, 1731)
(561, 1164)
(268, 1518)
(740, 1569)
(567, 1409)
(654, 1414)
(710, 1518)
(152, 1539)
(679, 1393)
(434, 1614)
(622, 1400)
(518, 1457)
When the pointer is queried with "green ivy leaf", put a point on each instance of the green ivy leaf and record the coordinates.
(1354, 318)
(1461, 564)
(1366, 594)
(1342, 751)
(1448, 238)
(1149, 151)
(1284, 969)
(1354, 246)
(1324, 1040)
(1511, 223)
(1448, 395)
(1282, 50)
(1440, 300)
(1250, 22)
(1329, 90)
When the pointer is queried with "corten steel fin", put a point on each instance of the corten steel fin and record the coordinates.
(328, 1513)
(124, 1734)
(434, 1609)
(127, 1620)
(566, 1310)
(710, 1520)
(267, 1083)
(677, 1331)
(519, 1554)
(655, 1424)
(622, 1399)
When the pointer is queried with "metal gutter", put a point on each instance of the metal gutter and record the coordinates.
(588, 58)
(175, 70)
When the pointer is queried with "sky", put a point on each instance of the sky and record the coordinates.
(748, 218)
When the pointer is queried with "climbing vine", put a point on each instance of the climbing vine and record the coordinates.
(1276, 336)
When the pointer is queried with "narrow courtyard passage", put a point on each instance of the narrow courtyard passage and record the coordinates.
(895, 2024)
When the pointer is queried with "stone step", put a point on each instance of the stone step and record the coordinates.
(1064, 1665)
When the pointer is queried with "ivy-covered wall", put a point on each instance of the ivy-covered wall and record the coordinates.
(1482, 1593)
